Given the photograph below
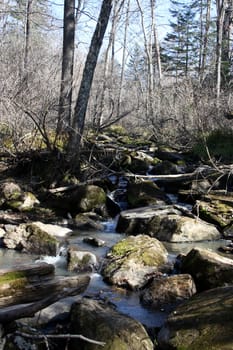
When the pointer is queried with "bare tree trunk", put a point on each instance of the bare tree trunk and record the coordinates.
(65, 102)
(205, 41)
(150, 75)
(110, 46)
(156, 41)
(226, 40)
(85, 87)
(29, 6)
(123, 58)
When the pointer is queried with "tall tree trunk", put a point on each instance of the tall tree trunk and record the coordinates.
(78, 123)
(108, 68)
(226, 41)
(205, 40)
(156, 41)
(65, 102)
(150, 71)
(221, 8)
(29, 5)
(123, 58)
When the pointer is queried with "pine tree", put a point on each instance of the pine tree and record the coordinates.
(180, 47)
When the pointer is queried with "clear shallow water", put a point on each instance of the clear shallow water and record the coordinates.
(127, 302)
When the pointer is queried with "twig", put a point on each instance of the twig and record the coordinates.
(61, 336)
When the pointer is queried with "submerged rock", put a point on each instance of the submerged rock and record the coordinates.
(208, 269)
(87, 222)
(204, 322)
(101, 322)
(133, 261)
(81, 261)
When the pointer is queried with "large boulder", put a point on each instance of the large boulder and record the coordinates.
(144, 194)
(34, 238)
(13, 197)
(216, 209)
(137, 161)
(98, 321)
(168, 290)
(203, 322)
(133, 261)
(166, 223)
(85, 198)
(208, 268)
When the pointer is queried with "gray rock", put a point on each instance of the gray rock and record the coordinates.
(101, 322)
(168, 289)
(133, 261)
(81, 261)
(32, 238)
(209, 269)
(203, 322)
(167, 223)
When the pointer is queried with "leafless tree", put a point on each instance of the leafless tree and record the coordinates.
(78, 123)
(65, 102)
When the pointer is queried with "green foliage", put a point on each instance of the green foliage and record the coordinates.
(219, 144)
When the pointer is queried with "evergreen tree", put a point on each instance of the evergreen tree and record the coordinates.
(136, 67)
(180, 47)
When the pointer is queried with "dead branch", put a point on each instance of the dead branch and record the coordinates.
(60, 336)
(172, 177)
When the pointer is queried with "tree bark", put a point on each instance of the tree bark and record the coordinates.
(86, 83)
(29, 5)
(205, 41)
(221, 8)
(65, 101)
(21, 291)
(19, 311)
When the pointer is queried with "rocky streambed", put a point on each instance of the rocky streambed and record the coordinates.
(151, 278)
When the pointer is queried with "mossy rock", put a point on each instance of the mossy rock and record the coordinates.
(132, 261)
(144, 193)
(26, 202)
(40, 242)
(101, 322)
(216, 211)
(204, 322)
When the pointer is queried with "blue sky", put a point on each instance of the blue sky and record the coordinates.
(88, 21)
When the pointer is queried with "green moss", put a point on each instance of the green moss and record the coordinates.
(41, 235)
(11, 276)
(123, 247)
(148, 258)
(14, 204)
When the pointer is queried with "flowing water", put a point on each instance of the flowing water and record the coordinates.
(126, 301)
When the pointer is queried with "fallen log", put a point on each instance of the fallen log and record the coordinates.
(12, 313)
(22, 291)
(201, 171)
(34, 272)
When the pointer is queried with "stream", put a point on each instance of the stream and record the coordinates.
(126, 302)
